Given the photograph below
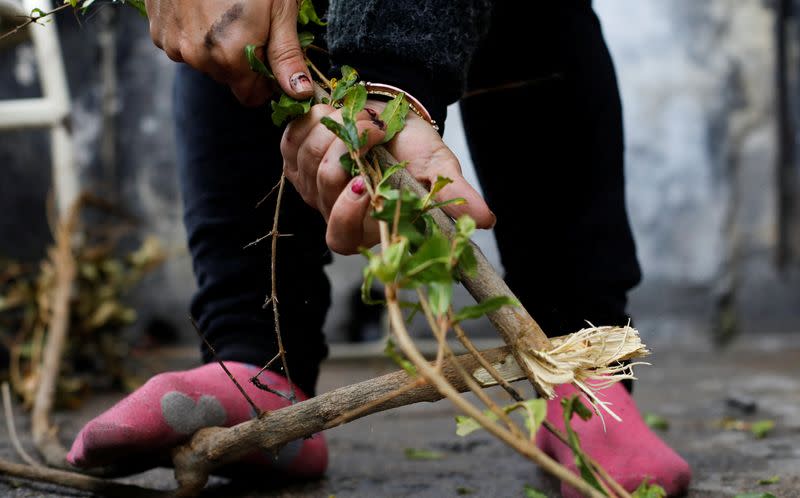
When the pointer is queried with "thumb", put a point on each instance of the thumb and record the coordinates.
(285, 56)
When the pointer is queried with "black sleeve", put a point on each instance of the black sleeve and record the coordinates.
(421, 46)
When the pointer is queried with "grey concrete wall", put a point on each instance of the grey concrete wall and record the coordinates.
(697, 80)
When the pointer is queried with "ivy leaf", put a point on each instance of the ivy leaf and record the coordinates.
(487, 306)
(656, 422)
(770, 480)
(440, 295)
(572, 406)
(256, 64)
(288, 107)
(348, 79)
(531, 492)
(649, 491)
(394, 116)
(761, 428)
(305, 38)
(423, 454)
(306, 13)
(354, 102)
(391, 352)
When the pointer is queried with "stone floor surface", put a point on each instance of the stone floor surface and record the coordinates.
(689, 384)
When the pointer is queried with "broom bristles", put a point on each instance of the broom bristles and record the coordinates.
(592, 359)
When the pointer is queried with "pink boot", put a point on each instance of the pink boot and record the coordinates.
(171, 406)
(628, 450)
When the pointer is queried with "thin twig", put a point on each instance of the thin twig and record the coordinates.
(368, 407)
(12, 430)
(255, 408)
(467, 343)
(74, 480)
(264, 199)
(274, 292)
(447, 353)
(33, 20)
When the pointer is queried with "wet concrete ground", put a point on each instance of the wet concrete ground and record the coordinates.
(689, 384)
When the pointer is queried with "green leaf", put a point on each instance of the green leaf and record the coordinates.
(755, 495)
(531, 492)
(394, 116)
(256, 64)
(462, 490)
(440, 295)
(384, 189)
(85, 5)
(288, 107)
(305, 38)
(467, 262)
(761, 428)
(572, 406)
(430, 262)
(395, 356)
(656, 422)
(456, 201)
(348, 164)
(423, 454)
(649, 491)
(307, 13)
(354, 102)
(770, 480)
(346, 131)
(487, 306)
(366, 287)
(535, 412)
(440, 183)
(138, 5)
(348, 79)
(467, 425)
(465, 226)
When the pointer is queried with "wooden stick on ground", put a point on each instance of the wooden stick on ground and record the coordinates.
(63, 261)
(213, 447)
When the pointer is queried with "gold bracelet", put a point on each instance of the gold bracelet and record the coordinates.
(392, 92)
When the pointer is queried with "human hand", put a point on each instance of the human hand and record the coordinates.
(311, 162)
(211, 37)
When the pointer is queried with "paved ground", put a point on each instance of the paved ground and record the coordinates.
(688, 384)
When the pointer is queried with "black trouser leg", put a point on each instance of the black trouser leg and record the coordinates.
(549, 156)
(228, 159)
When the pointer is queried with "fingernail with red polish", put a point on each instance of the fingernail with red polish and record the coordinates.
(300, 82)
(357, 186)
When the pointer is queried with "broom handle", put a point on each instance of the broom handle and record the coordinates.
(515, 325)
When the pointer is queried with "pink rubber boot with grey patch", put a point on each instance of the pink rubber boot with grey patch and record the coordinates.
(172, 406)
(628, 450)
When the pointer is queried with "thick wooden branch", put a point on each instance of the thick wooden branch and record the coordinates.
(213, 447)
(515, 325)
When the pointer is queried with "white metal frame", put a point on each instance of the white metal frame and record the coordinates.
(49, 111)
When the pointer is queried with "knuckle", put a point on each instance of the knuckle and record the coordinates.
(284, 52)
